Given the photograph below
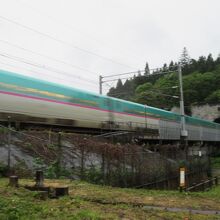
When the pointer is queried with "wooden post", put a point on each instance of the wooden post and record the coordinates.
(13, 181)
(39, 178)
(182, 178)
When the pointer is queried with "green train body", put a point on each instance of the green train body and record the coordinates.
(38, 101)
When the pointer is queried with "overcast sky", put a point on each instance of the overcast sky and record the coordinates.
(74, 41)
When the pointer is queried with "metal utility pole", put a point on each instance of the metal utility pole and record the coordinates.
(183, 131)
(100, 84)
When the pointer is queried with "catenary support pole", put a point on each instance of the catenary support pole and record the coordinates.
(100, 84)
(183, 131)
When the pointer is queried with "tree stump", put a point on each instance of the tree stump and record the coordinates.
(61, 191)
(39, 178)
(13, 181)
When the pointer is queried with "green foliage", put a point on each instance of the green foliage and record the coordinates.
(39, 163)
(201, 84)
(143, 88)
(28, 144)
(3, 130)
(94, 175)
(215, 162)
(54, 170)
(94, 202)
(86, 215)
(51, 171)
(214, 97)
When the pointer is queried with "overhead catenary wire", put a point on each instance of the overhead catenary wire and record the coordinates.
(155, 71)
(140, 71)
(48, 57)
(63, 42)
(33, 71)
(44, 67)
(121, 74)
(72, 28)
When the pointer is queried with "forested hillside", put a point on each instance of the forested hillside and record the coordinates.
(201, 84)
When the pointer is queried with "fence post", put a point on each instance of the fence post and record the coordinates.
(39, 178)
(13, 181)
(59, 156)
(82, 162)
(9, 144)
(103, 167)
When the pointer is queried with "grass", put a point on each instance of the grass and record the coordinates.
(93, 202)
(215, 162)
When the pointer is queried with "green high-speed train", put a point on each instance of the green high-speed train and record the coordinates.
(30, 100)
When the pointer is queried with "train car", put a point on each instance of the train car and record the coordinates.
(30, 100)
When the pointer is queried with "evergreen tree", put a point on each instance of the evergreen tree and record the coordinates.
(210, 64)
(202, 64)
(147, 70)
(165, 68)
(185, 58)
(119, 85)
(193, 66)
(139, 73)
(201, 81)
(217, 62)
(171, 65)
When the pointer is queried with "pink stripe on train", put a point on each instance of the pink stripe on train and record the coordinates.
(72, 104)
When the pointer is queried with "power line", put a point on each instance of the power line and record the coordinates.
(70, 27)
(62, 42)
(54, 77)
(112, 80)
(155, 71)
(48, 57)
(121, 74)
(44, 67)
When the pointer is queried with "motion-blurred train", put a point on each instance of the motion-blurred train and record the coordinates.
(29, 100)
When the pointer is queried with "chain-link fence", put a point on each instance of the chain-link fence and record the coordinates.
(95, 159)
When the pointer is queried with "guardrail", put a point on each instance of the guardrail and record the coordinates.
(203, 186)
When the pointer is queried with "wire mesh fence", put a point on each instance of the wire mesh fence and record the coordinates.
(95, 159)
